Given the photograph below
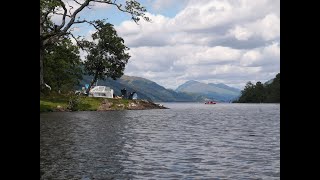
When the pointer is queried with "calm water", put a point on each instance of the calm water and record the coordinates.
(188, 141)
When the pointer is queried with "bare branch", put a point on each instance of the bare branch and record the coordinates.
(73, 16)
(45, 16)
(78, 43)
(132, 7)
(89, 22)
(64, 15)
(77, 2)
(61, 14)
(112, 3)
(70, 8)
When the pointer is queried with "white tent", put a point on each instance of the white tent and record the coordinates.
(101, 91)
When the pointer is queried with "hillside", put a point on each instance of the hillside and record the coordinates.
(268, 92)
(218, 92)
(145, 89)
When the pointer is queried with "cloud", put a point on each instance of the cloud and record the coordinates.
(161, 4)
(171, 65)
(266, 56)
(218, 41)
(227, 41)
(71, 6)
(241, 33)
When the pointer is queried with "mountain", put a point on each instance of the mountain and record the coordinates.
(269, 82)
(218, 92)
(145, 89)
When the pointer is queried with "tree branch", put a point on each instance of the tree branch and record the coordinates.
(70, 8)
(45, 16)
(112, 3)
(89, 22)
(78, 43)
(73, 16)
(77, 2)
(61, 14)
(132, 7)
(64, 15)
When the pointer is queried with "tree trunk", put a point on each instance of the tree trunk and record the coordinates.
(92, 83)
(41, 65)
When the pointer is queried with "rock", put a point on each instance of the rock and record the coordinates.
(105, 105)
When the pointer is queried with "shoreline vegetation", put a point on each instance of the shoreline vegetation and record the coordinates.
(68, 103)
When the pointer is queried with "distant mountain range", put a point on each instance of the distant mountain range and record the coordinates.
(191, 91)
(217, 92)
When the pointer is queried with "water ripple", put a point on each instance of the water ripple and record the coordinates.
(187, 141)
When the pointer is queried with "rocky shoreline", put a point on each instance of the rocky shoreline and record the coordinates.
(106, 105)
(67, 104)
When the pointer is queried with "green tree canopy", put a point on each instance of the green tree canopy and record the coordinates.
(63, 66)
(107, 54)
(50, 33)
(261, 93)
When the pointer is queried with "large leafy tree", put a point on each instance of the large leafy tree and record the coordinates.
(63, 66)
(247, 94)
(107, 54)
(50, 33)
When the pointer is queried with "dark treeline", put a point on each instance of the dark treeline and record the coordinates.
(261, 93)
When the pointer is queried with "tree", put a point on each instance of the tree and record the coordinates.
(259, 93)
(247, 93)
(63, 66)
(51, 33)
(273, 94)
(107, 54)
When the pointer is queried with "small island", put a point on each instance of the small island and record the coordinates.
(62, 103)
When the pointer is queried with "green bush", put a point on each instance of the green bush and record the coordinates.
(74, 102)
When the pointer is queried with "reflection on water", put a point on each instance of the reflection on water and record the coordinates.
(187, 141)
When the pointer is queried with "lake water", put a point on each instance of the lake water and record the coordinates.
(187, 141)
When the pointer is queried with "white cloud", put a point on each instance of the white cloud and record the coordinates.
(269, 27)
(161, 4)
(266, 56)
(218, 41)
(241, 33)
(228, 41)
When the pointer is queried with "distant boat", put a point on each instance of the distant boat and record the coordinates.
(210, 102)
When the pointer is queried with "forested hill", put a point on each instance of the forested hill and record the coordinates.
(145, 89)
(269, 92)
(217, 92)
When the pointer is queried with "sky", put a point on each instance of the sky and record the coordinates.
(210, 41)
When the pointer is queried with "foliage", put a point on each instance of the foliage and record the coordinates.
(68, 102)
(63, 66)
(51, 33)
(61, 102)
(74, 102)
(261, 93)
(107, 54)
(274, 90)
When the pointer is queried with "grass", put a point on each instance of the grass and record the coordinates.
(89, 103)
(51, 103)
(59, 102)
